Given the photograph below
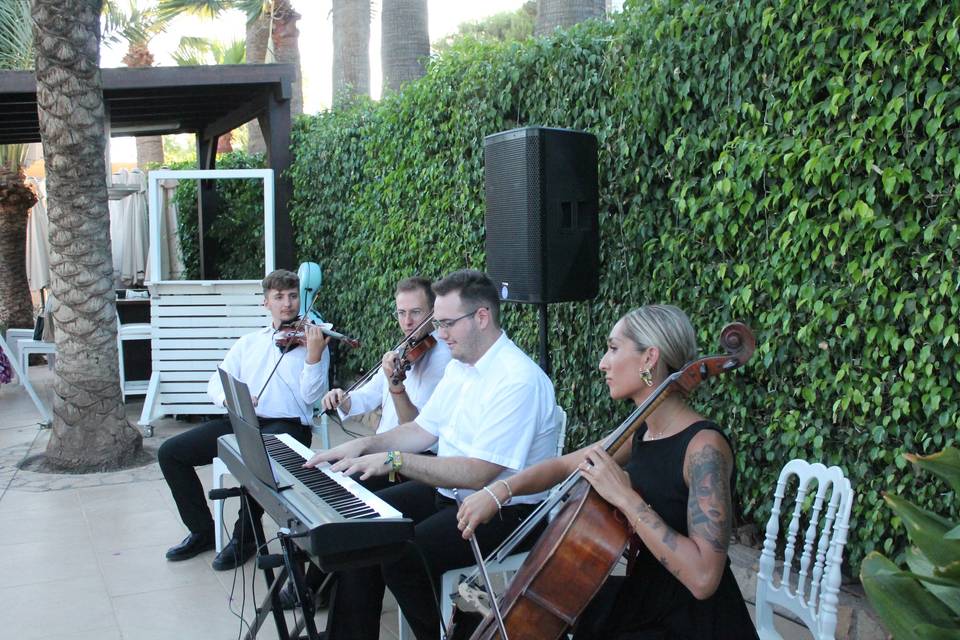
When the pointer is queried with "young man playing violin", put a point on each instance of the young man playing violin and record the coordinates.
(399, 394)
(492, 415)
(285, 405)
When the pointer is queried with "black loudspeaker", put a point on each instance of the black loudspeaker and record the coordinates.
(543, 239)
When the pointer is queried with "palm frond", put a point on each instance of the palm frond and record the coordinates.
(199, 51)
(132, 25)
(16, 37)
(204, 8)
(233, 52)
(253, 9)
(12, 155)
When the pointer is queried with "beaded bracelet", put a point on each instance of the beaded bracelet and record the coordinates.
(495, 498)
(509, 490)
(396, 393)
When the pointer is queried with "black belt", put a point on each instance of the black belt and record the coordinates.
(265, 420)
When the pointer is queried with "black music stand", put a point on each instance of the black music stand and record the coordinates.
(246, 428)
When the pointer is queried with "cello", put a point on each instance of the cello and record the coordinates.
(580, 548)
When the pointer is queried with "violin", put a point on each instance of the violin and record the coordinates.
(291, 335)
(409, 353)
(408, 344)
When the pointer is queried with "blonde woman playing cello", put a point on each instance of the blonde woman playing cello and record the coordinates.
(673, 482)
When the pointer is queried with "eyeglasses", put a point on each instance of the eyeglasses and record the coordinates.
(447, 324)
(412, 313)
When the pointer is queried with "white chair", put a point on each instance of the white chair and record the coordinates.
(450, 580)
(131, 331)
(219, 470)
(810, 592)
(13, 336)
(27, 346)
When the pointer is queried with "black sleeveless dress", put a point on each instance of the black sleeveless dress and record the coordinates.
(650, 603)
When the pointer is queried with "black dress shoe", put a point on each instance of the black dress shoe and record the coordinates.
(288, 601)
(194, 544)
(233, 555)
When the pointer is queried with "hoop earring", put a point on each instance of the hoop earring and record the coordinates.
(646, 377)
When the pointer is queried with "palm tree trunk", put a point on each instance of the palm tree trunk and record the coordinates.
(90, 430)
(257, 36)
(351, 44)
(564, 13)
(405, 41)
(16, 307)
(286, 48)
(149, 151)
(149, 148)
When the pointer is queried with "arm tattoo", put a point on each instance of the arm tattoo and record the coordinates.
(647, 516)
(670, 539)
(709, 509)
(666, 565)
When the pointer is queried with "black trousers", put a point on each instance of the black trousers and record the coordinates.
(194, 448)
(414, 577)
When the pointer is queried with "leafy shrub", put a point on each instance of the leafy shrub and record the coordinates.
(789, 163)
(237, 231)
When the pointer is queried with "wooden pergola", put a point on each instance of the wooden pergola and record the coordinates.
(207, 101)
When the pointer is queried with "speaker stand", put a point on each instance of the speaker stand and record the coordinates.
(544, 346)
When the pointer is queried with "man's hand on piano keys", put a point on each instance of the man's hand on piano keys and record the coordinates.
(351, 449)
(374, 464)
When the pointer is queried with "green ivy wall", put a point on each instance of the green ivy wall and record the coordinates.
(790, 164)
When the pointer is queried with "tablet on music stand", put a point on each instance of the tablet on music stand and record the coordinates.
(246, 428)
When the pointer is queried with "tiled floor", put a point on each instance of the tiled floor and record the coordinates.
(82, 556)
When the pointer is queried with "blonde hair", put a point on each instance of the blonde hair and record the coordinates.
(665, 327)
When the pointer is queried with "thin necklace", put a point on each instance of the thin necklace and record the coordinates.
(655, 436)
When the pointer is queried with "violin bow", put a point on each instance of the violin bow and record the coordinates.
(482, 567)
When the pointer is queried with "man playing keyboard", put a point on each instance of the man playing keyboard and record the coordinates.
(491, 416)
(400, 402)
(285, 406)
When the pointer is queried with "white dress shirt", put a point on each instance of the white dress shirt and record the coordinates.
(500, 410)
(421, 380)
(292, 390)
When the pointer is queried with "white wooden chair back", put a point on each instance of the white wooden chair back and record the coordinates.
(194, 325)
(809, 582)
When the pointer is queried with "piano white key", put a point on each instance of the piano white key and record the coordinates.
(348, 483)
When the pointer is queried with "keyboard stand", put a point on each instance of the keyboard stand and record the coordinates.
(289, 562)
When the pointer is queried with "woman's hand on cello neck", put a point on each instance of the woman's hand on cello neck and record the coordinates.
(607, 477)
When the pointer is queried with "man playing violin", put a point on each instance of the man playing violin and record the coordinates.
(399, 394)
(492, 415)
(285, 405)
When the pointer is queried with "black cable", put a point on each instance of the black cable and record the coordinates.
(233, 586)
(335, 416)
